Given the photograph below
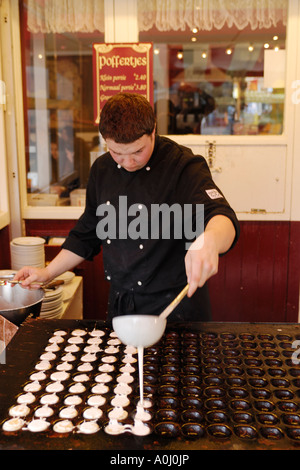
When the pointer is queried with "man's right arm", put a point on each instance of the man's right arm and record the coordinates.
(65, 261)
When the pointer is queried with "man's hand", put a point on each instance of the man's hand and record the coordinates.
(202, 258)
(29, 275)
(64, 261)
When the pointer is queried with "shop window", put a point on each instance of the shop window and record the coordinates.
(57, 44)
(219, 67)
(213, 74)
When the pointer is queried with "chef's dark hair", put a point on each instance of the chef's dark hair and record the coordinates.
(126, 117)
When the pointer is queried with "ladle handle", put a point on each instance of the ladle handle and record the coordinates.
(49, 285)
(169, 309)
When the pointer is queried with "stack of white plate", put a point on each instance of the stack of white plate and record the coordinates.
(27, 251)
(67, 277)
(52, 305)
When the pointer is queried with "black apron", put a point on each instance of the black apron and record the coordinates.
(129, 302)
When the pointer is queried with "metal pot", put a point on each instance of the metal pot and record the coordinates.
(17, 303)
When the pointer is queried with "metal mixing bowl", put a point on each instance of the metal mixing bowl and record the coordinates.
(17, 303)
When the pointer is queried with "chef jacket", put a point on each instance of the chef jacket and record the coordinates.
(147, 273)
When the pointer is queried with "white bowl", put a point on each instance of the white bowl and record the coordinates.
(139, 330)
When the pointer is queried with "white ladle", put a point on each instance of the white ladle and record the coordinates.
(142, 331)
(145, 330)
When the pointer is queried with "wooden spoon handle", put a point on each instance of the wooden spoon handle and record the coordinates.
(169, 309)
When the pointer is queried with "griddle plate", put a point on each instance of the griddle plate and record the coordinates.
(214, 385)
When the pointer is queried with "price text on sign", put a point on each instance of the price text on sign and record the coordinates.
(121, 68)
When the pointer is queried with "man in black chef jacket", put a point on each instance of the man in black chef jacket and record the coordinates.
(136, 202)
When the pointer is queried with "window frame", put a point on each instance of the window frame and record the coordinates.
(4, 199)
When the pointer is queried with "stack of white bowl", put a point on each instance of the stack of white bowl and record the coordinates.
(27, 251)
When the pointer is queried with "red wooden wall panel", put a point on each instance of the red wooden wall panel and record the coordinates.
(4, 248)
(292, 306)
(257, 280)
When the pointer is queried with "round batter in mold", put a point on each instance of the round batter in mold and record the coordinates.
(95, 340)
(127, 368)
(117, 413)
(111, 350)
(120, 400)
(56, 339)
(69, 412)
(13, 424)
(96, 332)
(122, 389)
(100, 389)
(141, 414)
(59, 333)
(26, 398)
(63, 426)
(38, 425)
(48, 356)
(147, 403)
(114, 428)
(52, 347)
(69, 357)
(78, 332)
(49, 399)
(44, 411)
(103, 378)
(43, 365)
(92, 348)
(87, 367)
(32, 386)
(96, 400)
(128, 358)
(114, 342)
(81, 378)
(140, 428)
(19, 411)
(89, 427)
(113, 334)
(130, 350)
(75, 340)
(108, 359)
(72, 348)
(54, 387)
(92, 413)
(77, 388)
(73, 400)
(38, 376)
(60, 376)
(106, 368)
(125, 378)
(89, 357)
(64, 366)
